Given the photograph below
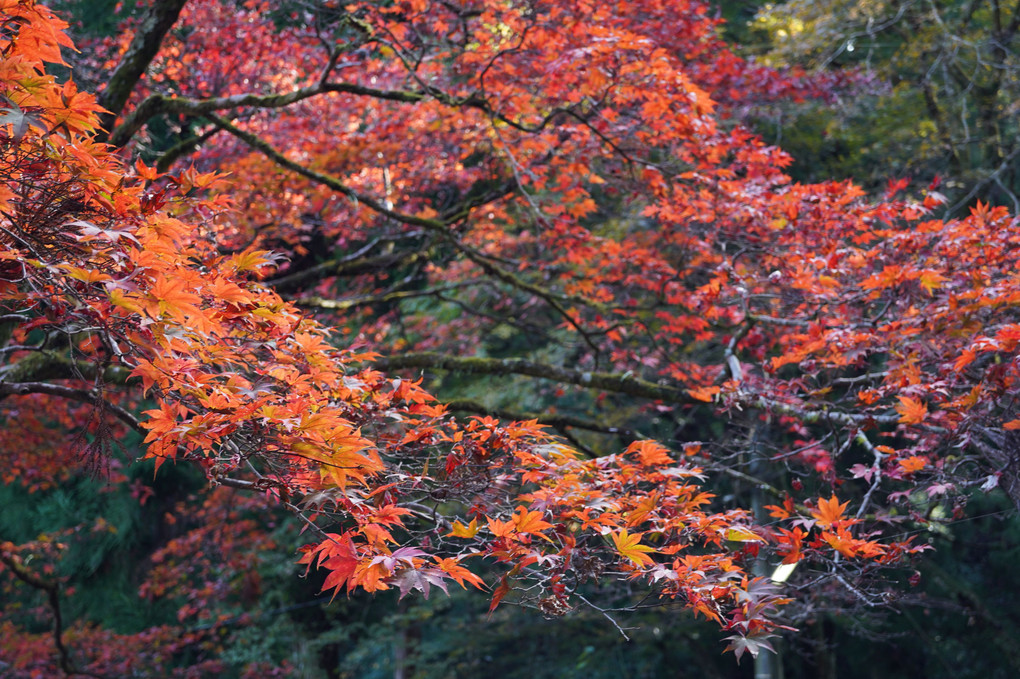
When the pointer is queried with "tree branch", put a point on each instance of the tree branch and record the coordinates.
(345, 266)
(155, 25)
(81, 395)
(159, 104)
(621, 384)
(326, 180)
(343, 304)
(52, 590)
(557, 421)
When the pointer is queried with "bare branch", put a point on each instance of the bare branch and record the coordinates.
(52, 590)
(81, 395)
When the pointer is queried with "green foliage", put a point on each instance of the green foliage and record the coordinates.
(937, 86)
(96, 17)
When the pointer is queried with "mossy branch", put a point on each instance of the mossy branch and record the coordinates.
(155, 24)
(556, 421)
(620, 384)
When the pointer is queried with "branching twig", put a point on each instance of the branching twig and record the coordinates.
(52, 590)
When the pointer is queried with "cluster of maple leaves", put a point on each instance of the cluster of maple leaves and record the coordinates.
(573, 167)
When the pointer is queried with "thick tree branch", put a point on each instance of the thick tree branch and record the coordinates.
(557, 421)
(143, 48)
(384, 298)
(160, 104)
(43, 366)
(621, 384)
(809, 416)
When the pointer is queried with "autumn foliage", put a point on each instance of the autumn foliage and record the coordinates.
(574, 172)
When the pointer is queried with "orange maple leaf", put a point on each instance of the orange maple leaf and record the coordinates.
(911, 410)
(172, 295)
(706, 394)
(841, 541)
(913, 464)
(650, 453)
(777, 512)
(501, 528)
(452, 567)
(829, 511)
(530, 522)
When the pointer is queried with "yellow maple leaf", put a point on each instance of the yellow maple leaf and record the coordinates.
(741, 534)
(630, 547)
(931, 280)
(462, 531)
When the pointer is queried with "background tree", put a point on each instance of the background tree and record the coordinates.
(554, 194)
(946, 109)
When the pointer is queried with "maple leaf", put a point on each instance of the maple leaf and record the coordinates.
(650, 453)
(529, 522)
(497, 594)
(630, 547)
(753, 645)
(389, 515)
(912, 464)
(706, 394)
(462, 531)
(460, 574)
(421, 579)
(337, 555)
(643, 509)
(340, 569)
(501, 528)
(911, 410)
(931, 281)
(173, 297)
(741, 534)
(829, 512)
(842, 542)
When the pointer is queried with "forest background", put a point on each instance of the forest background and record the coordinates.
(912, 98)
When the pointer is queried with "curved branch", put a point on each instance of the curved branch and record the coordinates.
(52, 590)
(621, 384)
(557, 421)
(326, 180)
(156, 23)
(351, 265)
(81, 395)
(159, 104)
(367, 300)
